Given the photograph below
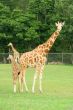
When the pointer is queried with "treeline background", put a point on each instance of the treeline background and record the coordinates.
(28, 23)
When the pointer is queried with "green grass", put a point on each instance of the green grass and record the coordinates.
(57, 90)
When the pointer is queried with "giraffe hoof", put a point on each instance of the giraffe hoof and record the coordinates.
(33, 91)
(14, 91)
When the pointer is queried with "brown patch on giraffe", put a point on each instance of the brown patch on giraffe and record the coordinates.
(50, 46)
(46, 50)
(34, 59)
(18, 73)
(41, 61)
(40, 51)
(30, 57)
(56, 33)
(41, 47)
(44, 45)
(47, 44)
(31, 61)
(51, 42)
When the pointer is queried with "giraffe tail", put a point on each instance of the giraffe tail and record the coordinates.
(19, 73)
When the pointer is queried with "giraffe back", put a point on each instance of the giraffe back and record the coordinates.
(31, 59)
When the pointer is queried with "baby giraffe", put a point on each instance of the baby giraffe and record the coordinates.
(15, 72)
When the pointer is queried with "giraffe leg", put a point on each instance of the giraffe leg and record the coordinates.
(25, 85)
(14, 85)
(34, 80)
(20, 83)
(24, 80)
(20, 78)
(40, 82)
(40, 78)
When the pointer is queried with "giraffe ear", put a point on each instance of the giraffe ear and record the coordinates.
(63, 23)
(56, 24)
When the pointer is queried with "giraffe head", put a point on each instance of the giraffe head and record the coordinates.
(10, 57)
(59, 25)
(10, 44)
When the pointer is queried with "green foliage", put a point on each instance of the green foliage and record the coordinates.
(32, 22)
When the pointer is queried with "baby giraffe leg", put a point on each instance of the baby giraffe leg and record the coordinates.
(22, 81)
(14, 84)
(19, 78)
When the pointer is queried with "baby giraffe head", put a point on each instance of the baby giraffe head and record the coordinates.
(10, 57)
(59, 25)
(10, 44)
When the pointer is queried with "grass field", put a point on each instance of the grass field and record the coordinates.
(57, 90)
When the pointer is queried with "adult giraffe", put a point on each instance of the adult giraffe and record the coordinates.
(36, 58)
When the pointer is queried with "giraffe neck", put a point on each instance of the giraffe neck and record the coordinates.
(45, 48)
(14, 63)
(49, 43)
(13, 49)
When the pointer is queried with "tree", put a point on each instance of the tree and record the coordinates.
(31, 23)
